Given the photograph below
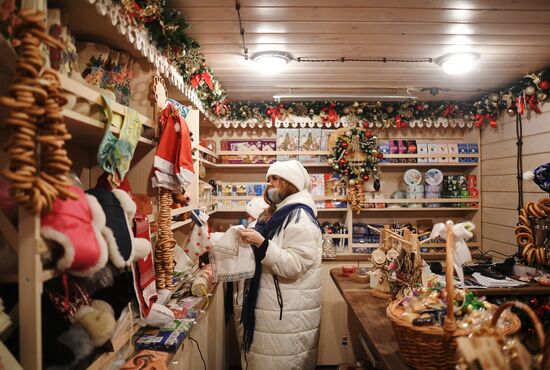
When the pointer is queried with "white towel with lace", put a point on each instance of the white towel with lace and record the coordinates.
(231, 259)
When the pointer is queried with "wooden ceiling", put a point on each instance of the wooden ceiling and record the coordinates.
(512, 36)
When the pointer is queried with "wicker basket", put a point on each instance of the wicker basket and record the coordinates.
(433, 347)
(513, 359)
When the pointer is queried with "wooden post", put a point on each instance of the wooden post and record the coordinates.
(30, 291)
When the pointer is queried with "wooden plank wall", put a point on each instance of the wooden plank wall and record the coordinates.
(498, 170)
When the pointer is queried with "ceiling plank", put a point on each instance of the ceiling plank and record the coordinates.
(371, 14)
(350, 49)
(252, 40)
(422, 4)
(517, 27)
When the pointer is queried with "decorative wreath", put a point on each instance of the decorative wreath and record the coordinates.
(355, 156)
(534, 255)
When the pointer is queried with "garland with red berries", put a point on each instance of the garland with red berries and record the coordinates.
(354, 140)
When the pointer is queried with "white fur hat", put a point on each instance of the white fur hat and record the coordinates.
(255, 206)
(292, 171)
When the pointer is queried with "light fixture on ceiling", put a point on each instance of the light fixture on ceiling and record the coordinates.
(271, 62)
(457, 63)
(339, 97)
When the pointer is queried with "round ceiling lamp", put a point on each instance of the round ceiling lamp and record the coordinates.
(457, 63)
(271, 62)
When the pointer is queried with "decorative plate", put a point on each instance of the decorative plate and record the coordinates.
(434, 176)
(392, 254)
(378, 257)
(413, 177)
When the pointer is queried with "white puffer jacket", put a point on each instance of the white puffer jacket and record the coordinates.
(294, 255)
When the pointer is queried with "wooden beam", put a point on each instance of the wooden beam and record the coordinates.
(30, 291)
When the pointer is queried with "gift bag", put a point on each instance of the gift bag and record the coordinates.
(199, 242)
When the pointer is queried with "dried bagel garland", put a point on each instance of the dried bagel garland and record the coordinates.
(38, 164)
(164, 262)
(533, 254)
(356, 197)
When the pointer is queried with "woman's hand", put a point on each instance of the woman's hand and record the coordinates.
(252, 237)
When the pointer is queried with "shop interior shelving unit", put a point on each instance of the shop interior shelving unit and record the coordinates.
(391, 179)
(87, 133)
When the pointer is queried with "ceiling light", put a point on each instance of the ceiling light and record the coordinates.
(339, 97)
(457, 63)
(271, 62)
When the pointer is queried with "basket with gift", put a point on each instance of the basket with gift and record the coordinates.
(428, 320)
(487, 348)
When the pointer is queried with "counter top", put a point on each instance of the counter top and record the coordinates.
(376, 329)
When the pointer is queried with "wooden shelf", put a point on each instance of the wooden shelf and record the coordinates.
(399, 166)
(178, 224)
(427, 200)
(350, 257)
(179, 211)
(204, 150)
(87, 130)
(332, 209)
(419, 209)
(336, 236)
(366, 257)
(275, 152)
(256, 165)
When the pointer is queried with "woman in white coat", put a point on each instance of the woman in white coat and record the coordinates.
(281, 310)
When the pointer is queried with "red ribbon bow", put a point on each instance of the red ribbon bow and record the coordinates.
(331, 115)
(204, 76)
(449, 110)
(221, 105)
(480, 118)
(399, 123)
(533, 104)
(274, 113)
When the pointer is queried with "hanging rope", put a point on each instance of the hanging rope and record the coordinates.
(519, 159)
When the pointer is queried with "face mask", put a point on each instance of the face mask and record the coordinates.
(274, 195)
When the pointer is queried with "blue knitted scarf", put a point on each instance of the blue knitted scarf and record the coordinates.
(280, 219)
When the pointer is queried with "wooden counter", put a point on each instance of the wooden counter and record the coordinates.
(372, 332)
(367, 320)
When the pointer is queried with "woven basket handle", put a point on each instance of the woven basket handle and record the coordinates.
(450, 324)
(525, 308)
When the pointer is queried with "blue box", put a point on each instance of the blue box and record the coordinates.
(168, 341)
(384, 148)
(463, 149)
(473, 149)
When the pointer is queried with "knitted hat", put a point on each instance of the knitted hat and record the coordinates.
(540, 176)
(255, 206)
(292, 171)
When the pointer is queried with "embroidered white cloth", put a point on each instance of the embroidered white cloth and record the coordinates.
(461, 252)
(231, 259)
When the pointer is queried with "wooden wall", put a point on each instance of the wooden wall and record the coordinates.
(499, 185)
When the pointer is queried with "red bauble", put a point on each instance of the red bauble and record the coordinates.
(346, 152)
(344, 144)
(329, 231)
(533, 302)
(544, 85)
(346, 170)
(380, 155)
(366, 124)
(342, 161)
(366, 178)
(368, 134)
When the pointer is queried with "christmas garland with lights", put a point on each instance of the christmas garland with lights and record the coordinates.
(356, 140)
(167, 29)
